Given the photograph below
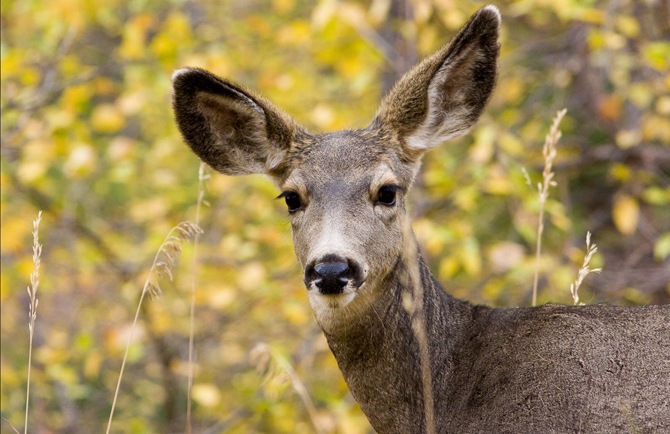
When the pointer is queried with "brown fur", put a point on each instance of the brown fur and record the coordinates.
(560, 369)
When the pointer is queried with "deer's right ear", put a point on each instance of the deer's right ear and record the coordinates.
(227, 127)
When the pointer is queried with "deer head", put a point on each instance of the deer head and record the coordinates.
(345, 191)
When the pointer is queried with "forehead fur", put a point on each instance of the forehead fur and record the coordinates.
(348, 154)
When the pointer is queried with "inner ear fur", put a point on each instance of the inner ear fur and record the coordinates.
(443, 96)
(230, 129)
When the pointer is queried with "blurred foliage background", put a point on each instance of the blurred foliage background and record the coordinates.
(88, 136)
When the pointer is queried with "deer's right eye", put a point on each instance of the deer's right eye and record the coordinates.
(292, 200)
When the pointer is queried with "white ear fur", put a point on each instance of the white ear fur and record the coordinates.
(434, 131)
(451, 111)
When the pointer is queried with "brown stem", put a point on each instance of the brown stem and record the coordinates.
(201, 178)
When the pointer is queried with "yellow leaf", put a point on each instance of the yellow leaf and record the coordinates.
(657, 54)
(627, 138)
(448, 267)
(628, 26)
(505, 255)
(657, 195)
(5, 288)
(31, 170)
(296, 312)
(453, 19)
(614, 41)
(323, 116)
(610, 107)
(470, 259)
(220, 298)
(511, 144)
(512, 90)
(482, 150)
(596, 40)
(498, 181)
(120, 148)
(251, 276)
(378, 11)
(620, 172)
(132, 103)
(134, 36)
(149, 209)
(592, 15)
(283, 6)
(641, 94)
(428, 40)
(423, 228)
(14, 231)
(625, 213)
(104, 86)
(75, 98)
(164, 46)
(81, 161)
(663, 105)
(178, 27)
(106, 118)
(92, 365)
(656, 128)
(207, 395)
(422, 11)
(353, 14)
(323, 13)
(662, 247)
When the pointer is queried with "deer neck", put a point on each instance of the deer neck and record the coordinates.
(378, 353)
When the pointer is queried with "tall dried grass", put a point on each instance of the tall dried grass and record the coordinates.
(584, 270)
(413, 304)
(32, 312)
(549, 153)
(164, 260)
(201, 194)
(272, 362)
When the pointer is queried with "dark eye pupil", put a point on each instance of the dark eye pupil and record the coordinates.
(292, 201)
(387, 196)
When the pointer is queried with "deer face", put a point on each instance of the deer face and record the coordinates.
(345, 191)
(346, 200)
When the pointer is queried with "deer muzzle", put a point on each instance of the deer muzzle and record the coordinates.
(331, 274)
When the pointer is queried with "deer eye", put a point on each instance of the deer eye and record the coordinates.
(387, 195)
(292, 201)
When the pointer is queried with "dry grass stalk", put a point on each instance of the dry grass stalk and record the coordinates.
(201, 194)
(32, 307)
(584, 271)
(549, 152)
(262, 354)
(11, 426)
(413, 304)
(164, 260)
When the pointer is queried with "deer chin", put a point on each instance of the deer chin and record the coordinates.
(331, 301)
(334, 310)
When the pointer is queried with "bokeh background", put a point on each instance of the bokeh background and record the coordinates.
(88, 137)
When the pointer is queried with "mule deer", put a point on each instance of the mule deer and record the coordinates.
(546, 369)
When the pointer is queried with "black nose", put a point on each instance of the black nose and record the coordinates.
(331, 274)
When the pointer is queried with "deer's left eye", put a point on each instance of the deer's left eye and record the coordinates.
(387, 195)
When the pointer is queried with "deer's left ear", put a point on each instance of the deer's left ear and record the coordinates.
(442, 97)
